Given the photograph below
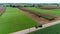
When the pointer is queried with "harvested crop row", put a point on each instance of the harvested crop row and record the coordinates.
(40, 14)
(39, 19)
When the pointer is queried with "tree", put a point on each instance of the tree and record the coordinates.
(56, 4)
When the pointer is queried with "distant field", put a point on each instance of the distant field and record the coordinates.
(13, 20)
(49, 30)
(49, 5)
(53, 12)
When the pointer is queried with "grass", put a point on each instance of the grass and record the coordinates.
(13, 20)
(55, 29)
(49, 30)
(53, 12)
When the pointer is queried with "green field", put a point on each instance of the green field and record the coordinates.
(53, 12)
(14, 20)
(55, 29)
(49, 30)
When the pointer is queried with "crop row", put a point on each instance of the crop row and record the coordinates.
(42, 15)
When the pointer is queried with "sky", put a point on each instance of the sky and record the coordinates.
(29, 1)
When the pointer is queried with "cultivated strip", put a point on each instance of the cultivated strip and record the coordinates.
(38, 19)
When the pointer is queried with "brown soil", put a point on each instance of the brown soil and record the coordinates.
(2, 10)
(38, 19)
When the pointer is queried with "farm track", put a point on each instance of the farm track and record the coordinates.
(38, 19)
(2, 10)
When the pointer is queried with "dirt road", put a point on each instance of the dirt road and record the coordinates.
(34, 29)
(2, 10)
